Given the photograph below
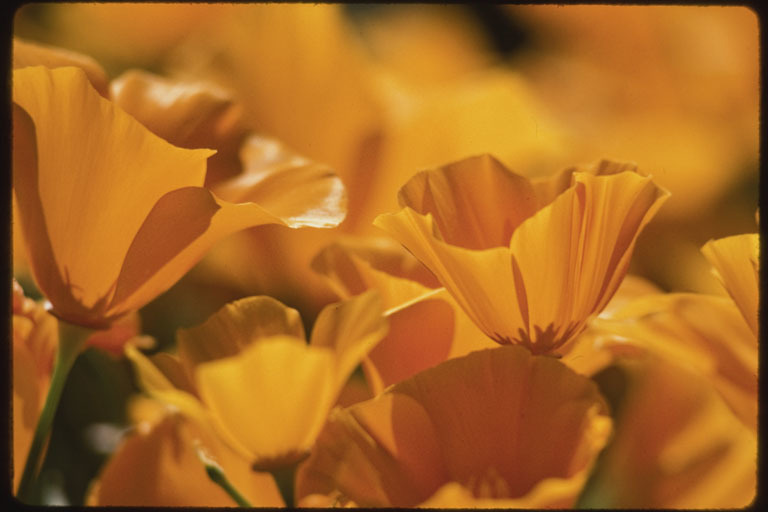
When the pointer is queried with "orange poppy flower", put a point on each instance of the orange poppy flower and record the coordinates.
(248, 374)
(142, 217)
(526, 431)
(529, 261)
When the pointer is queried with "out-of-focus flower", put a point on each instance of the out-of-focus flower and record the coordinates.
(736, 262)
(157, 465)
(35, 341)
(248, 373)
(121, 175)
(529, 261)
(525, 431)
(426, 326)
(121, 35)
(676, 445)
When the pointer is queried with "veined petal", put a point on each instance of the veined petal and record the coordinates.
(235, 326)
(736, 260)
(90, 154)
(26, 54)
(350, 329)
(294, 188)
(499, 422)
(572, 255)
(482, 282)
(272, 398)
(476, 202)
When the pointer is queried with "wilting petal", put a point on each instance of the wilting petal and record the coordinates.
(186, 114)
(26, 54)
(736, 260)
(235, 326)
(524, 419)
(676, 445)
(95, 156)
(350, 328)
(272, 398)
(158, 466)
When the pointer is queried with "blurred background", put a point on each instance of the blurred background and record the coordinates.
(380, 92)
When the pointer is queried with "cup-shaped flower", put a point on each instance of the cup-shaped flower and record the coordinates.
(498, 423)
(529, 261)
(112, 214)
(249, 375)
(736, 262)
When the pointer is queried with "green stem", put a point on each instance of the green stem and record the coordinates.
(71, 340)
(284, 478)
(217, 476)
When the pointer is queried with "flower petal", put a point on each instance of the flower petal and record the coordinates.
(294, 188)
(350, 329)
(272, 398)
(93, 155)
(476, 202)
(736, 260)
(26, 54)
(186, 114)
(159, 467)
(233, 327)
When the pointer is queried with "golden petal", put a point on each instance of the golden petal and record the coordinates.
(116, 171)
(272, 398)
(235, 326)
(350, 329)
(27, 54)
(736, 260)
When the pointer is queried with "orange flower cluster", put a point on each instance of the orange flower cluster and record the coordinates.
(493, 339)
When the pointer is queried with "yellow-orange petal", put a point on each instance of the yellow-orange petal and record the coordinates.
(270, 401)
(476, 202)
(676, 445)
(158, 466)
(298, 190)
(350, 329)
(572, 255)
(27, 54)
(186, 114)
(28, 394)
(737, 263)
(235, 326)
(705, 334)
(353, 264)
(91, 154)
(522, 419)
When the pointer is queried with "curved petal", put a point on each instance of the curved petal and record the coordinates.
(272, 398)
(159, 467)
(476, 202)
(736, 260)
(26, 54)
(294, 188)
(235, 326)
(186, 114)
(93, 155)
(499, 422)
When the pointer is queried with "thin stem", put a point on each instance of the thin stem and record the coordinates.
(71, 340)
(217, 476)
